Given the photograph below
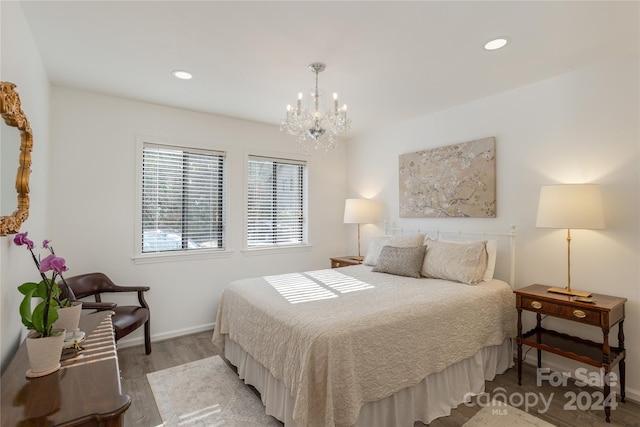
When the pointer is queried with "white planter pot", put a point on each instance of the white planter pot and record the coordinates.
(69, 317)
(44, 353)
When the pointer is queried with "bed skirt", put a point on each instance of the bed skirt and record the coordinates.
(432, 398)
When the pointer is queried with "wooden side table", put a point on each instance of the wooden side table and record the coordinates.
(84, 392)
(605, 312)
(344, 261)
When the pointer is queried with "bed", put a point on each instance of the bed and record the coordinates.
(376, 344)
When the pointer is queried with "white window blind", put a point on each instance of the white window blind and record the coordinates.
(276, 202)
(182, 199)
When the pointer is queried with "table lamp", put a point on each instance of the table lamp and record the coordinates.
(570, 206)
(358, 211)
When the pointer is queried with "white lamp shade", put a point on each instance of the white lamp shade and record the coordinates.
(358, 211)
(570, 206)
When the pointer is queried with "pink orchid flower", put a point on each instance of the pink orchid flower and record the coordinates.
(21, 239)
(52, 262)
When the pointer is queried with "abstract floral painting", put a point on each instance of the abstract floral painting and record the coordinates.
(453, 181)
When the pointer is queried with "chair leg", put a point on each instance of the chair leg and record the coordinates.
(147, 337)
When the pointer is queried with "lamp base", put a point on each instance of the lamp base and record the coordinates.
(357, 258)
(565, 291)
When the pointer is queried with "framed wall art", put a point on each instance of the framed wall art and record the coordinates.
(453, 181)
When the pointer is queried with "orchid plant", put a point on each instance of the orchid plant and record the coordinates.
(43, 316)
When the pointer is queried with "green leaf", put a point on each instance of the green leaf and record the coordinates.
(48, 291)
(25, 309)
(39, 323)
(42, 289)
(27, 288)
(37, 318)
(55, 291)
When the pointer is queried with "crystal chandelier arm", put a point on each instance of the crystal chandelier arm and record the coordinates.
(317, 123)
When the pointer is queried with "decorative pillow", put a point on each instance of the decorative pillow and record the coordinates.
(401, 261)
(376, 244)
(460, 262)
(492, 254)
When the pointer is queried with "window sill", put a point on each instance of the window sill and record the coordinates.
(179, 256)
(276, 250)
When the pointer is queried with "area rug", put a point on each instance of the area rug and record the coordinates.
(503, 415)
(206, 393)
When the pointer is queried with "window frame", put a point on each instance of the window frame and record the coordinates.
(276, 248)
(140, 257)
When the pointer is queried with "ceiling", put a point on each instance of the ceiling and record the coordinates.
(388, 61)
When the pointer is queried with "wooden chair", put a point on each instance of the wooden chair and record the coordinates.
(126, 318)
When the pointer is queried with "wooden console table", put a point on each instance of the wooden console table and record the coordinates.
(605, 312)
(84, 392)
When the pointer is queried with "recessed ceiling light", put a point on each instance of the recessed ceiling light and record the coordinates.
(182, 75)
(497, 43)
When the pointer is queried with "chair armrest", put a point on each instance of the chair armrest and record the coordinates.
(139, 289)
(118, 288)
(100, 306)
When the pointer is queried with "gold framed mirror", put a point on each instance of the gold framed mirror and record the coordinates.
(14, 117)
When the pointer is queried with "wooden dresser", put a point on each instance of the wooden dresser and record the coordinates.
(84, 392)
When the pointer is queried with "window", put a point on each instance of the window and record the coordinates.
(276, 202)
(182, 199)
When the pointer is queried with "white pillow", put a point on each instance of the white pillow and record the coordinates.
(375, 247)
(376, 244)
(492, 254)
(456, 261)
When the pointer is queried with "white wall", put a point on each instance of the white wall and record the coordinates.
(93, 194)
(578, 127)
(21, 64)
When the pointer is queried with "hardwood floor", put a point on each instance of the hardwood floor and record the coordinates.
(626, 414)
(134, 365)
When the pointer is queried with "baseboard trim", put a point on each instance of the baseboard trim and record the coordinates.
(135, 341)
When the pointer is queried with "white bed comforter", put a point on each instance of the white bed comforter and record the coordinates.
(340, 338)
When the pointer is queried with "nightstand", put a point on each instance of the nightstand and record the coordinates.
(344, 261)
(605, 312)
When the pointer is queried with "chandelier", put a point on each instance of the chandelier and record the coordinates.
(316, 126)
